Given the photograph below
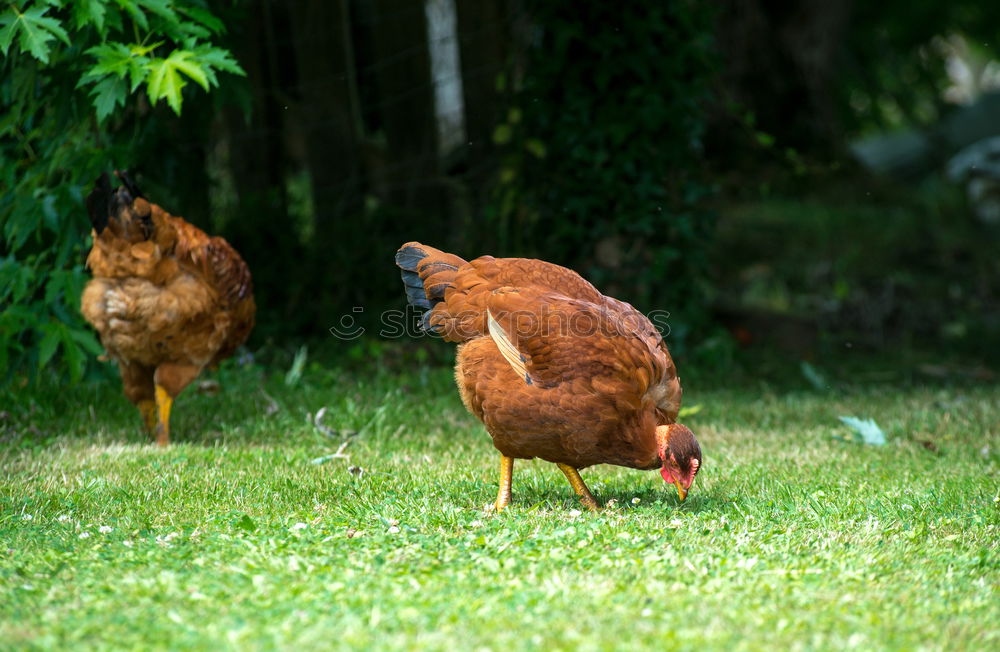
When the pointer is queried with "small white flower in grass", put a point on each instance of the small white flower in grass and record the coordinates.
(298, 526)
(394, 530)
(104, 529)
(573, 513)
(636, 500)
(85, 535)
(165, 540)
(908, 508)
(127, 543)
(63, 518)
(26, 517)
(676, 523)
(475, 524)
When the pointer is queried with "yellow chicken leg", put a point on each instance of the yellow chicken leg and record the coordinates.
(147, 408)
(163, 403)
(506, 474)
(579, 486)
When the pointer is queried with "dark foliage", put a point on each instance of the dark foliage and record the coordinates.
(601, 167)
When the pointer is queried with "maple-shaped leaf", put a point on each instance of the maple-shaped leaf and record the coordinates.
(165, 79)
(108, 93)
(34, 30)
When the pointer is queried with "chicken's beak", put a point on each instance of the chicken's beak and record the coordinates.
(681, 491)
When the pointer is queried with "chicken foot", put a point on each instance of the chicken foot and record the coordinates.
(169, 380)
(147, 408)
(579, 486)
(162, 429)
(506, 475)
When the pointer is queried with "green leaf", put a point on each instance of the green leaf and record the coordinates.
(87, 341)
(182, 61)
(50, 342)
(165, 82)
(89, 12)
(119, 60)
(72, 356)
(194, 30)
(162, 9)
(137, 72)
(204, 17)
(132, 10)
(35, 31)
(9, 20)
(108, 93)
(112, 59)
(219, 59)
(142, 50)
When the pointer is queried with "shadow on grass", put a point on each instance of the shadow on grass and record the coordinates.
(649, 500)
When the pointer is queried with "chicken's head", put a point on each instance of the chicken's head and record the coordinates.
(680, 455)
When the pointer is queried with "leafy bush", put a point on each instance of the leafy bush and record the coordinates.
(68, 69)
(602, 167)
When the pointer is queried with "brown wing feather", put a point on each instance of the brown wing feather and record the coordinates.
(564, 339)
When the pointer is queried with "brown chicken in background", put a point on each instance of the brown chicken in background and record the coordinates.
(166, 299)
(553, 368)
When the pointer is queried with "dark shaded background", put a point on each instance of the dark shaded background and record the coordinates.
(701, 158)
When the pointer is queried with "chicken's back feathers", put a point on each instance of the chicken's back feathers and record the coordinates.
(454, 291)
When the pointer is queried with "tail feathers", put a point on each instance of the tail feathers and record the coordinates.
(415, 290)
(427, 273)
(99, 203)
(130, 185)
(119, 207)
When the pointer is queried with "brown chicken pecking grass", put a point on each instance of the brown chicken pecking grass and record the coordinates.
(553, 368)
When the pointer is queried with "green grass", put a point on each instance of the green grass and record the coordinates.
(233, 539)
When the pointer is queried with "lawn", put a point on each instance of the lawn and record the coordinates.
(239, 536)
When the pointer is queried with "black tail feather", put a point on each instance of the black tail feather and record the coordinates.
(408, 258)
(410, 261)
(99, 203)
(130, 185)
(415, 290)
